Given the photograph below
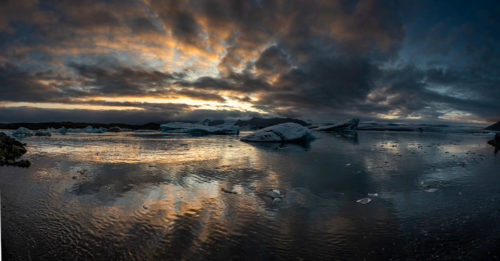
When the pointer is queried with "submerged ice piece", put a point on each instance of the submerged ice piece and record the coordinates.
(185, 127)
(284, 132)
(345, 125)
(22, 132)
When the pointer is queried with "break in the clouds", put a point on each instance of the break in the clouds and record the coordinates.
(155, 60)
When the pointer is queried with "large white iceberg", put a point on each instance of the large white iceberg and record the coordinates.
(185, 127)
(22, 132)
(284, 132)
(345, 125)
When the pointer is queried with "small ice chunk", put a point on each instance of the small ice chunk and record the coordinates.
(348, 164)
(364, 201)
(372, 194)
(274, 194)
(430, 190)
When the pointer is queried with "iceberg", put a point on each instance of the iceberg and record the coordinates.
(62, 130)
(22, 132)
(115, 129)
(185, 127)
(345, 125)
(284, 132)
(90, 129)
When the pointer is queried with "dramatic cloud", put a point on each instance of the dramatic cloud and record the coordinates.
(155, 60)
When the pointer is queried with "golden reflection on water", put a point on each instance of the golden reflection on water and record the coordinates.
(147, 192)
(104, 148)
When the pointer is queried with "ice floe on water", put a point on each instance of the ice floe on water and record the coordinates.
(22, 132)
(284, 132)
(193, 128)
(364, 201)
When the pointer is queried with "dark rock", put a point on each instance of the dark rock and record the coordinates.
(494, 127)
(11, 150)
(228, 191)
(495, 142)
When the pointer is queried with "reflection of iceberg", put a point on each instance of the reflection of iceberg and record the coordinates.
(184, 127)
(283, 146)
(285, 132)
(22, 132)
(345, 125)
(349, 136)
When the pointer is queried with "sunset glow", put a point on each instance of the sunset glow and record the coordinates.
(321, 60)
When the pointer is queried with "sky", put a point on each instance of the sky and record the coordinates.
(139, 61)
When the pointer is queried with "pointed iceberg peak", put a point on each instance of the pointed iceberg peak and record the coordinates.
(344, 125)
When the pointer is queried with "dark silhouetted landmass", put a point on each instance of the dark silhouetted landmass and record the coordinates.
(494, 127)
(78, 125)
(260, 123)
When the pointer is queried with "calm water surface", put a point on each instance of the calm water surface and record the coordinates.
(154, 196)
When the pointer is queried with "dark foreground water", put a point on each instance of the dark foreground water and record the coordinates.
(152, 196)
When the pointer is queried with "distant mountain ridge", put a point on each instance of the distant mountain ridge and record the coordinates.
(77, 125)
(256, 123)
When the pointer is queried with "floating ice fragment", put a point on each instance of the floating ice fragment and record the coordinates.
(274, 194)
(364, 201)
(372, 194)
(431, 190)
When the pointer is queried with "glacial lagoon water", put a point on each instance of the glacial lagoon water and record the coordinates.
(158, 196)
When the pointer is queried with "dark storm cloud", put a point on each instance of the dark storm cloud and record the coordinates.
(20, 85)
(160, 115)
(272, 59)
(121, 80)
(239, 82)
(330, 58)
